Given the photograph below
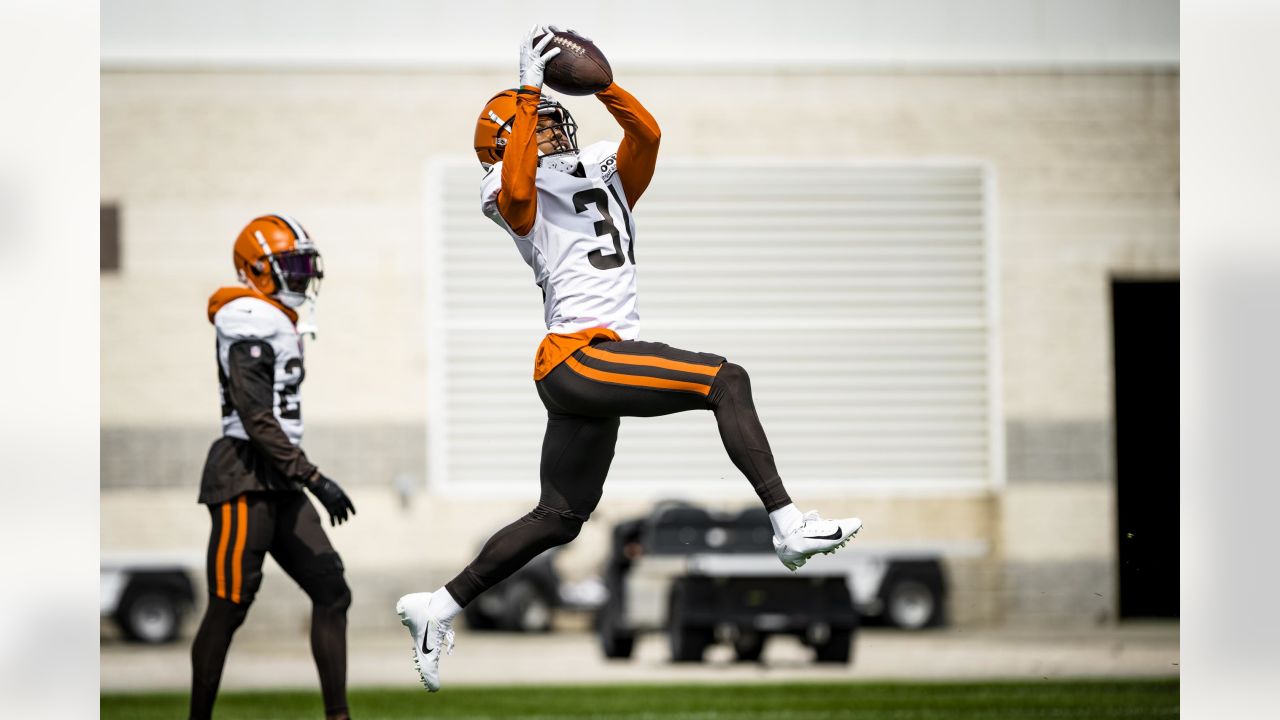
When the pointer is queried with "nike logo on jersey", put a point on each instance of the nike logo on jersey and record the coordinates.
(833, 536)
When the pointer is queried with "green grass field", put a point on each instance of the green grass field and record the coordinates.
(1091, 700)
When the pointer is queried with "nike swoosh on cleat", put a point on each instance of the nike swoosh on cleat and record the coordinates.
(832, 536)
(425, 651)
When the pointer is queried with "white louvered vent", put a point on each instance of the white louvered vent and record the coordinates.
(857, 296)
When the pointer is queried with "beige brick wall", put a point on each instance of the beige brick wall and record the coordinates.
(1087, 187)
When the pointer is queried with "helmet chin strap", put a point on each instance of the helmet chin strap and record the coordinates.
(565, 162)
(307, 324)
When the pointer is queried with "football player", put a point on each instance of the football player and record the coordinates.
(255, 473)
(569, 211)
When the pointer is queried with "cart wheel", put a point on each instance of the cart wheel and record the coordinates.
(527, 610)
(912, 604)
(836, 647)
(687, 643)
(616, 642)
(748, 646)
(150, 617)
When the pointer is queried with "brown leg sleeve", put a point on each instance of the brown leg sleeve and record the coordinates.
(209, 653)
(576, 454)
(304, 552)
(743, 435)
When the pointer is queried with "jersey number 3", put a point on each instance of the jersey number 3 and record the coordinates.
(604, 226)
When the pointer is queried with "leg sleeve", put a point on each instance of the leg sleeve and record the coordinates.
(743, 435)
(304, 552)
(576, 454)
(209, 653)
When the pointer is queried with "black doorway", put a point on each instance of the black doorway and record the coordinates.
(1145, 326)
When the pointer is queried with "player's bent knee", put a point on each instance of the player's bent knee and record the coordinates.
(326, 584)
(733, 374)
(567, 530)
(732, 379)
(338, 596)
(563, 529)
(231, 614)
(557, 527)
(331, 591)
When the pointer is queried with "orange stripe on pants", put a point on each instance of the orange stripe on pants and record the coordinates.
(220, 567)
(650, 361)
(237, 556)
(636, 380)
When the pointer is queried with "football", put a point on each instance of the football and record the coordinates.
(579, 69)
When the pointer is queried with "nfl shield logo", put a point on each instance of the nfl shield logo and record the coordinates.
(255, 351)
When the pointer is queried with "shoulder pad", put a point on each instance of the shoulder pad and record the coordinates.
(595, 153)
(492, 176)
(250, 318)
(600, 160)
(490, 184)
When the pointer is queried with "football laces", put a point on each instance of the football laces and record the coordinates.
(569, 45)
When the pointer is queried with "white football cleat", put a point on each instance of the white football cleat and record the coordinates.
(813, 536)
(430, 637)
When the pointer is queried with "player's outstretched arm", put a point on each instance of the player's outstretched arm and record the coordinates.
(518, 198)
(638, 152)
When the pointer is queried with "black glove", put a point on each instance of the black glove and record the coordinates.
(332, 497)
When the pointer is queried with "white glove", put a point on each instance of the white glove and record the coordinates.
(533, 62)
(557, 28)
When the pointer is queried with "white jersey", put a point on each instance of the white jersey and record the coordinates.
(249, 318)
(581, 245)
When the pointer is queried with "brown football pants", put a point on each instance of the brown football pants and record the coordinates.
(246, 529)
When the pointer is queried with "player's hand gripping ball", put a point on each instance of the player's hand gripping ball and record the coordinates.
(579, 68)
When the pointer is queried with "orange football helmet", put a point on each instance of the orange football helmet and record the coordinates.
(274, 255)
(494, 125)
